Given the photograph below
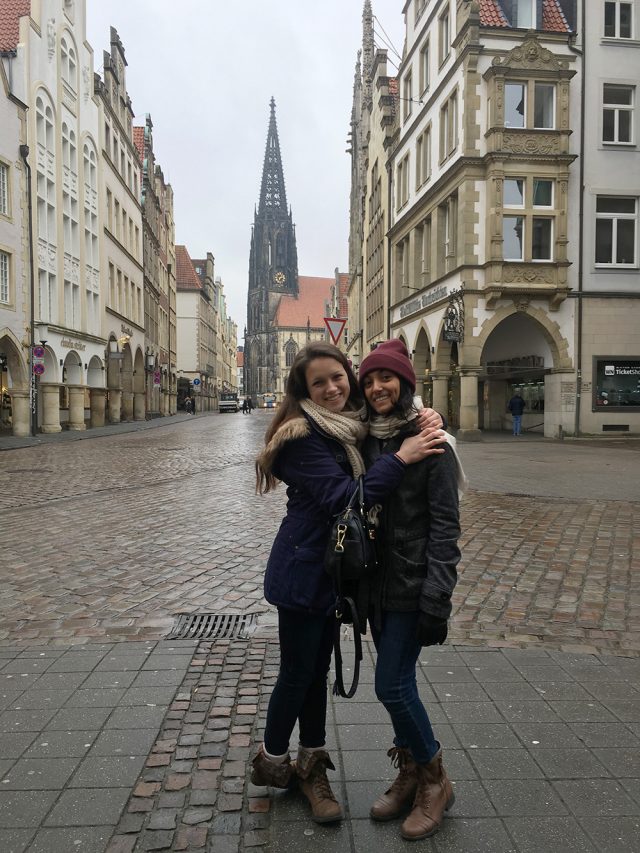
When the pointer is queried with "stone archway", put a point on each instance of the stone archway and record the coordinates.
(521, 353)
(126, 378)
(14, 382)
(97, 391)
(72, 379)
(422, 365)
(138, 381)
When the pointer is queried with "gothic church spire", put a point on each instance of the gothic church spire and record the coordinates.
(273, 197)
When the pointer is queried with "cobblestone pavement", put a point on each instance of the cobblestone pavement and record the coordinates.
(109, 538)
(115, 739)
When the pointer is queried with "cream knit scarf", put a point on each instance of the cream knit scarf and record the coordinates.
(385, 428)
(346, 427)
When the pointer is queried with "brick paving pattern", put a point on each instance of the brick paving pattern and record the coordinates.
(108, 728)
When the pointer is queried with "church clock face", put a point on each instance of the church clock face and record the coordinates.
(279, 277)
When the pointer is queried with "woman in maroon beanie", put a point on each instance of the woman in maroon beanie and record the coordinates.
(410, 599)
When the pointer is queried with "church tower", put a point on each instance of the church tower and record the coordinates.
(273, 270)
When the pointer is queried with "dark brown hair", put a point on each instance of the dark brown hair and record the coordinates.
(296, 390)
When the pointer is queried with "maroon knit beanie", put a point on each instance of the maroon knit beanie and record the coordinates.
(389, 355)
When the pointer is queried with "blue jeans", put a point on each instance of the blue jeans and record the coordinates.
(396, 687)
(517, 424)
(300, 693)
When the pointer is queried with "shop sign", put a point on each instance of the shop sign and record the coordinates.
(69, 344)
(434, 294)
(616, 384)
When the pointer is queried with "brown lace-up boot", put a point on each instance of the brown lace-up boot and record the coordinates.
(311, 767)
(433, 797)
(399, 797)
(267, 772)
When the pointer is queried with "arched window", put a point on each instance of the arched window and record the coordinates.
(290, 352)
(91, 250)
(68, 63)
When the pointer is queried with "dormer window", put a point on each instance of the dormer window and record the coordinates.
(525, 14)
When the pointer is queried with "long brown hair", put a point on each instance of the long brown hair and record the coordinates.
(296, 390)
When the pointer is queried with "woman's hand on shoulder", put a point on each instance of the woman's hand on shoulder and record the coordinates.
(429, 419)
(418, 447)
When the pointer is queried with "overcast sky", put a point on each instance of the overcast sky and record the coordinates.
(205, 70)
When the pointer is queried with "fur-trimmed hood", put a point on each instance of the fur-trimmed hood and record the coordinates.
(291, 430)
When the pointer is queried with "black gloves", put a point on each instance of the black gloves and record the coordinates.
(431, 631)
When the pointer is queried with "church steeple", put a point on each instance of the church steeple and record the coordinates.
(273, 196)
(273, 268)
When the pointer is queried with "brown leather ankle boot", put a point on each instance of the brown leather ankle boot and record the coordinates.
(311, 767)
(267, 772)
(399, 797)
(433, 797)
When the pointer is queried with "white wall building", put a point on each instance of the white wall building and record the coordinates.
(53, 74)
(608, 314)
(15, 313)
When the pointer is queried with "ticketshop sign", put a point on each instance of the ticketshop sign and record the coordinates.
(616, 384)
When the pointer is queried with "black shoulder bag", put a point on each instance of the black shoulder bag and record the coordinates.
(350, 557)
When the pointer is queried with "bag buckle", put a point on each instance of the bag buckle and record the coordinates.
(342, 531)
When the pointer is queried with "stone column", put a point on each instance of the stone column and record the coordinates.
(440, 401)
(50, 406)
(20, 412)
(127, 406)
(98, 405)
(115, 405)
(469, 406)
(76, 407)
(138, 406)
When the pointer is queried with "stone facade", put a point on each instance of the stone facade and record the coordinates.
(122, 257)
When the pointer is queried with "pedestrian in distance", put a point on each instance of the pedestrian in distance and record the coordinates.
(245, 406)
(410, 597)
(517, 406)
(312, 446)
(187, 405)
(249, 404)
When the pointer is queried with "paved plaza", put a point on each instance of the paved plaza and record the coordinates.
(115, 738)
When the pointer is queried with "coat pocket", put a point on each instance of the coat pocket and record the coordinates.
(407, 574)
(311, 587)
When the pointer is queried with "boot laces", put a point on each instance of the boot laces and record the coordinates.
(401, 760)
(320, 785)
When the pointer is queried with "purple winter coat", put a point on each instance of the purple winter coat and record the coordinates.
(319, 484)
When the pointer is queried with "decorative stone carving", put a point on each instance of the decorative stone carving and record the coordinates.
(529, 143)
(529, 274)
(51, 37)
(530, 55)
(522, 302)
(86, 77)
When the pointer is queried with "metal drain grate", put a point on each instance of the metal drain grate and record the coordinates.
(213, 626)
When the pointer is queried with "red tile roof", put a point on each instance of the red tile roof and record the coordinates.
(553, 19)
(491, 14)
(10, 13)
(186, 276)
(310, 304)
(138, 140)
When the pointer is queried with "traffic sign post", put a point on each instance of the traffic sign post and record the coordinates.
(335, 327)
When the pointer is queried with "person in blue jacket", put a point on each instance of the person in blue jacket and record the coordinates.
(410, 596)
(312, 445)
(517, 406)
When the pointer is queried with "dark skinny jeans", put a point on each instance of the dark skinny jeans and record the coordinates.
(398, 651)
(300, 693)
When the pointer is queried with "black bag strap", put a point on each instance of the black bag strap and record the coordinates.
(338, 688)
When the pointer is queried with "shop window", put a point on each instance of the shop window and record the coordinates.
(616, 384)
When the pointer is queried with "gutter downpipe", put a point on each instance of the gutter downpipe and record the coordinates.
(24, 154)
(580, 224)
